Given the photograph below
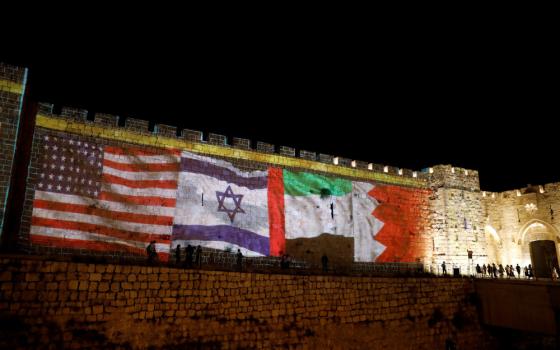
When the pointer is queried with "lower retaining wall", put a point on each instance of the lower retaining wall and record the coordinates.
(77, 305)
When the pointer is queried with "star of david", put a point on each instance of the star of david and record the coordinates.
(236, 201)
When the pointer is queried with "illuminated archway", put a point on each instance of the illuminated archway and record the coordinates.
(537, 229)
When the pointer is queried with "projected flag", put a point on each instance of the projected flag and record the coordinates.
(104, 198)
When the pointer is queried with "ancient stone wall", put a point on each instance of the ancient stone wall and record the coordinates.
(47, 303)
(457, 219)
(12, 88)
(429, 217)
(393, 201)
(515, 218)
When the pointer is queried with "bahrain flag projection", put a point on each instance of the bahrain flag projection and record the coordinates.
(91, 196)
(403, 225)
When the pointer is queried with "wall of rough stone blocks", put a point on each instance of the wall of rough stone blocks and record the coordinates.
(452, 214)
(110, 306)
(104, 131)
(457, 220)
(515, 218)
(12, 88)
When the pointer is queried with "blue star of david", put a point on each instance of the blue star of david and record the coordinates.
(236, 201)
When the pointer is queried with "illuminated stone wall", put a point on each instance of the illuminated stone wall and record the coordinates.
(110, 306)
(515, 218)
(371, 213)
(12, 87)
(457, 219)
(428, 216)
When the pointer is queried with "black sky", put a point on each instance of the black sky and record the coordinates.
(488, 103)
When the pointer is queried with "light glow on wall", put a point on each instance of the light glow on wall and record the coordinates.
(535, 225)
(492, 232)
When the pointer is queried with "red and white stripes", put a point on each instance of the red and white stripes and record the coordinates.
(134, 205)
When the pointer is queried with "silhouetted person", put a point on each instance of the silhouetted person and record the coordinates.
(284, 261)
(151, 251)
(530, 270)
(484, 270)
(189, 251)
(325, 263)
(443, 268)
(178, 254)
(197, 255)
(478, 270)
(239, 258)
(494, 270)
(518, 268)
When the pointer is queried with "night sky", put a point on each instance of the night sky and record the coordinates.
(489, 106)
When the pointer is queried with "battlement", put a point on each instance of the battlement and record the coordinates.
(12, 88)
(549, 188)
(453, 177)
(161, 130)
(12, 78)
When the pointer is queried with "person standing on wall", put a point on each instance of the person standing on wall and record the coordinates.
(518, 268)
(443, 269)
(239, 258)
(178, 255)
(151, 251)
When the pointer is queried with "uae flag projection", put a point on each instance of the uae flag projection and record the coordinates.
(322, 212)
(90, 196)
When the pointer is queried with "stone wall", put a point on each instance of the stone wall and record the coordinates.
(431, 216)
(515, 218)
(12, 87)
(403, 204)
(46, 304)
(457, 224)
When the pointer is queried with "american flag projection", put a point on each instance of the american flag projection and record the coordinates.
(104, 198)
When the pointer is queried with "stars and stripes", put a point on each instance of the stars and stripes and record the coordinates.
(104, 198)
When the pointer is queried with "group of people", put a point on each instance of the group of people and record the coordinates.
(493, 271)
(190, 254)
(192, 257)
(509, 271)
